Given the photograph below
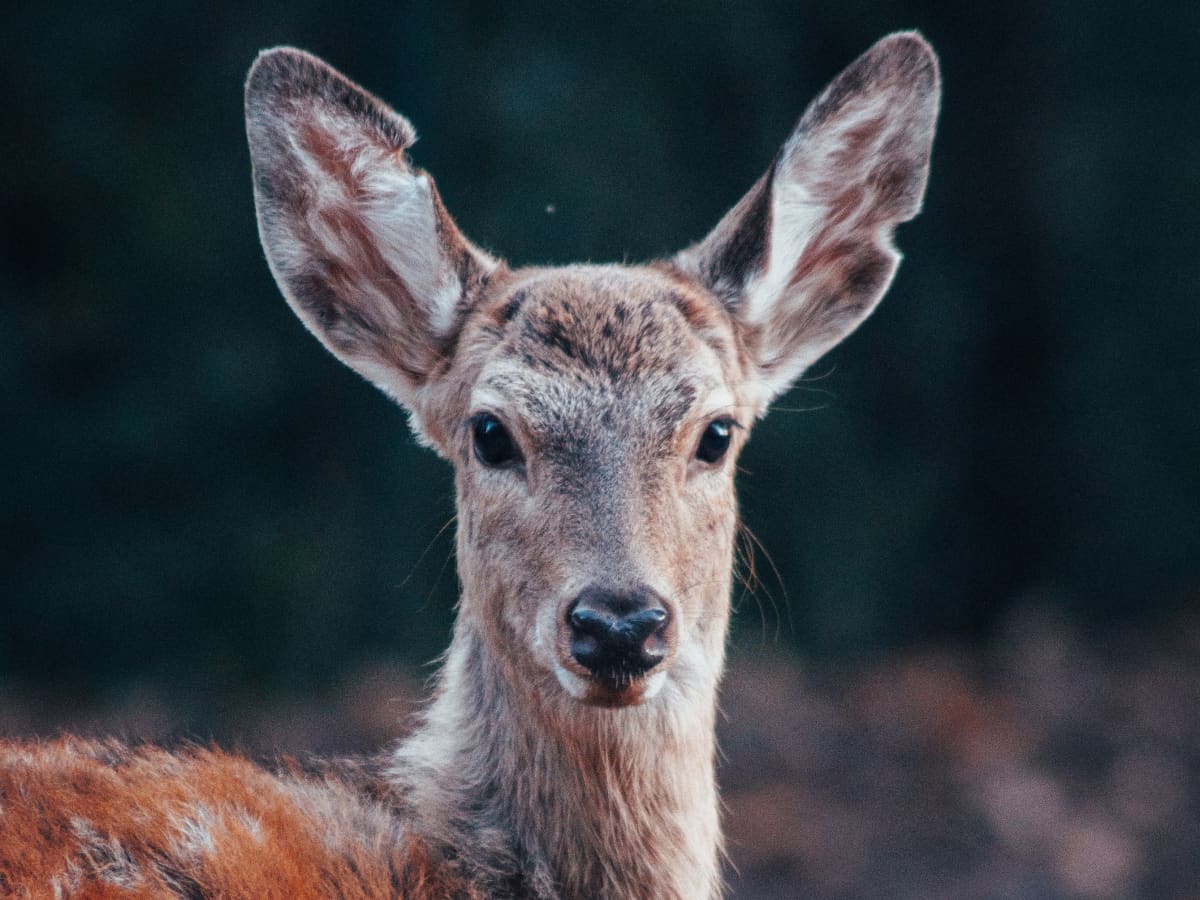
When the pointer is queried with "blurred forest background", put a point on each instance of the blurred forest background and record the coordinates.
(974, 669)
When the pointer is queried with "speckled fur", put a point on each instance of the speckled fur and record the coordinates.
(525, 779)
(86, 819)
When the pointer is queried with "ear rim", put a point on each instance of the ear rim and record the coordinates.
(735, 260)
(284, 73)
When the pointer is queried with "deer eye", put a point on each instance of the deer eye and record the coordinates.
(494, 446)
(715, 440)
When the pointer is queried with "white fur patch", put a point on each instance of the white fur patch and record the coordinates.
(654, 685)
(196, 833)
(107, 857)
(571, 683)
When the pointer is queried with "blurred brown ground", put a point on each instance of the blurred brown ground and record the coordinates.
(1051, 763)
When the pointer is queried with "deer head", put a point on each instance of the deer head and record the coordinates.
(593, 414)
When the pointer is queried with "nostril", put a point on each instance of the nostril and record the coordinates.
(590, 622)
(638, 626)
(652, 644)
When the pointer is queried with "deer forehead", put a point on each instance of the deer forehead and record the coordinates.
(634, 351)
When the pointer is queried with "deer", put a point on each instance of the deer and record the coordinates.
(593, 415)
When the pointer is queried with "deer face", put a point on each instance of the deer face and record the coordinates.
(595, 453)
(593, 413)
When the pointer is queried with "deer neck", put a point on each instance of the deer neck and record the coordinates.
(536, 795)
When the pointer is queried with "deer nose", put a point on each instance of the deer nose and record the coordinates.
(618, 636)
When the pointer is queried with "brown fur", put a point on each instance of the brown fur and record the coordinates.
(98, 820)
(528, 777)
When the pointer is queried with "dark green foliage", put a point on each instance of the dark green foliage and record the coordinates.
(195, 491)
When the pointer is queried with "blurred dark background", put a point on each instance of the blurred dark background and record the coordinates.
(204, 517)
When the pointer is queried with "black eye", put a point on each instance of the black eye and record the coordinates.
(493, 444)
(715, 440)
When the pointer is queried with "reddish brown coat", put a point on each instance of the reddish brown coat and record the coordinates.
(82, 819)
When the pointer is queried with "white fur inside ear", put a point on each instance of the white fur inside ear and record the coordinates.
(398, 208)
(808, 179)
(394, 203)
(796, 216)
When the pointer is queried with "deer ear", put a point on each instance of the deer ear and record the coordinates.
(807, 253)
(357, 238)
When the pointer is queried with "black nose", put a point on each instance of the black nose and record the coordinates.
(618, 636)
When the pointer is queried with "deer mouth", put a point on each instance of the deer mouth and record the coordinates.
(620, 681)
(624, 690)
(611, 690)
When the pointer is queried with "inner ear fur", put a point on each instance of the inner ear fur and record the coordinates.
(807, 254)
(356, 237)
